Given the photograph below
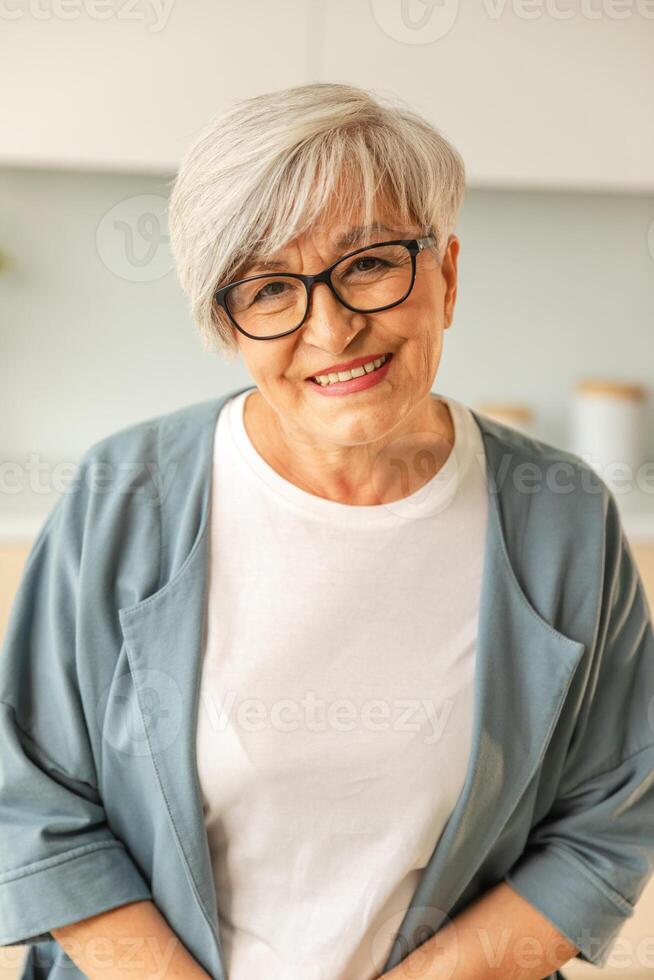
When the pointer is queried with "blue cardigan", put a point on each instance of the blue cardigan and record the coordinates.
(99, 684)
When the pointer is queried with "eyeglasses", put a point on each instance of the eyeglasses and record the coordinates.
(367, 280)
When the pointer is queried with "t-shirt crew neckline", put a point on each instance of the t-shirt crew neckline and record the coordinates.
(428, 501)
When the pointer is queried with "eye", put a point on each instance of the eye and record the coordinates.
(270, 289)
(368, 263)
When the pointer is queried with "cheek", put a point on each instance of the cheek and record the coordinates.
(266, 361)
(422, 312)
(419, 323)
(430, 294)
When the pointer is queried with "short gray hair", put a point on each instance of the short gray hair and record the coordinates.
(265, 170)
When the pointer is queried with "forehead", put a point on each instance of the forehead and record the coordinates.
(333, 239)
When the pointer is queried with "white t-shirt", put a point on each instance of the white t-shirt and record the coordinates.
(336, 702)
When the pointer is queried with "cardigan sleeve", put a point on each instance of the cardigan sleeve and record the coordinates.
(587, 862)
(60, 862)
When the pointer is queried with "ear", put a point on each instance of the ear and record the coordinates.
(449, 270)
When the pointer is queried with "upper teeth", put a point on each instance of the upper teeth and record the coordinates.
(357, 372)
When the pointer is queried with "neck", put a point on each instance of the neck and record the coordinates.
(388, 469)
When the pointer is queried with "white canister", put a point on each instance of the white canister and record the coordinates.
(608, 429)
(516, 414)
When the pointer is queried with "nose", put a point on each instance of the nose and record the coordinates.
(329, 325)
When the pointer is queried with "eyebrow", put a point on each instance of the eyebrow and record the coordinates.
(349, 239)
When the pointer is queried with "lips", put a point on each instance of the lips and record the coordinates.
(359, 379)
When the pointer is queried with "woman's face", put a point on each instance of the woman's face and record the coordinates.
(412, 332)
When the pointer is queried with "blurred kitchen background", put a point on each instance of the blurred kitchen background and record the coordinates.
(550, 104)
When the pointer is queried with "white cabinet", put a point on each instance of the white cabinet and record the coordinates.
(128, 91)
(552, 93)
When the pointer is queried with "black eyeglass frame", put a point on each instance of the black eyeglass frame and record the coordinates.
(414, 246)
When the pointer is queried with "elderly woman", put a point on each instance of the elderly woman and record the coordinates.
(330, 676)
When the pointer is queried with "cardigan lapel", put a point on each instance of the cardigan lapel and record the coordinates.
(164, 636)
(524, 668)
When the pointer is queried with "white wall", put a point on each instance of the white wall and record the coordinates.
(553, 286)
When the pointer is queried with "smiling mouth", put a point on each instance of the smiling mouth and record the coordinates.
(324, 380)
